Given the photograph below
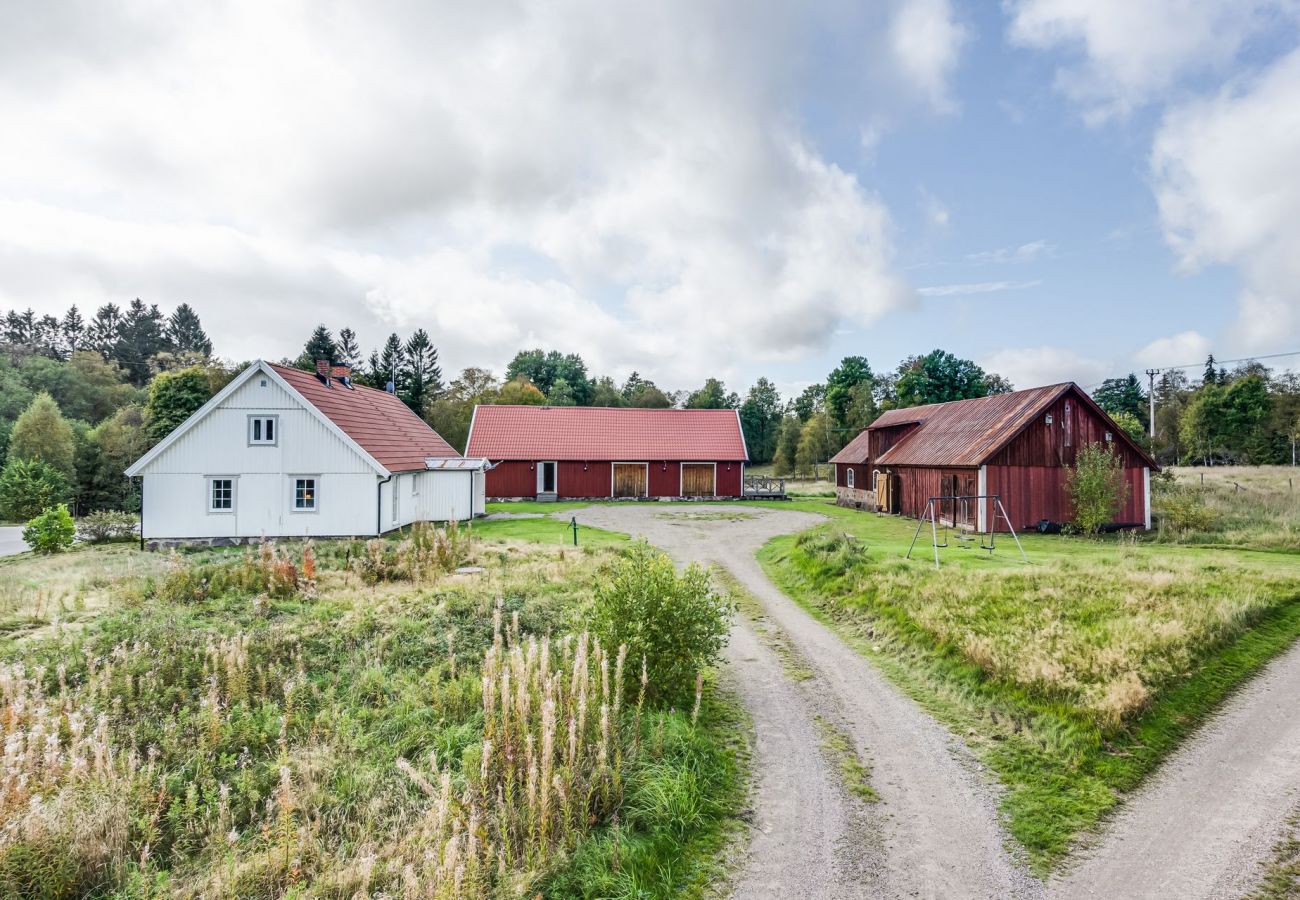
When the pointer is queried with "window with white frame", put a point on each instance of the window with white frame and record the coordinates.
(221, 495)
(848, 477)
(263, 430)
(304, 495)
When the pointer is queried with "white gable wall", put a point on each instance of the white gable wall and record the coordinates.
(176, 482)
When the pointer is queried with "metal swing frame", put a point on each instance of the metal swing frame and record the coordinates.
(932, 513)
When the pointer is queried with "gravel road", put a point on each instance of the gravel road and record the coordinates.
(11, 540)
(936, 831)
(1202, 825)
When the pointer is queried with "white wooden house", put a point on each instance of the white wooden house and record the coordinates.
(285, 453)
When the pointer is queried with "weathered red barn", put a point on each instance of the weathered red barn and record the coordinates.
(1018, 446)
(581, 452)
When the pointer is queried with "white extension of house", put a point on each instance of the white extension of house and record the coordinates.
(285, 453)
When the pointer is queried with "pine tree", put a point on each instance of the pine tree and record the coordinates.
(142, 334)
(349, 354)
(19, 327)
(419, 378)
(102, 334)
(386, 365)
(319, 346)
(47, 337)
(1211, 373)
(73, 329)
(185, 332)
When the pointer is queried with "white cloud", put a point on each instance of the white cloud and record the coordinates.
(1036, 366)
(1021, 254)
(977, 287)
(1133, 52)
(1180, 349)
(925, 40)
(1225, 179)
(936, 211)
(507, 173)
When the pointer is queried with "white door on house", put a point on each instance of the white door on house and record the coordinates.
(546, 478)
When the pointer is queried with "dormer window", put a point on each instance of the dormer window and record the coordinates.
(263, 430)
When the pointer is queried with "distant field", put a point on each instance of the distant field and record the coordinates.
(1072, 676)
(1236, 506)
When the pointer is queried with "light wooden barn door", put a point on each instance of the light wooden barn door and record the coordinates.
(629, 480)
(697, 480)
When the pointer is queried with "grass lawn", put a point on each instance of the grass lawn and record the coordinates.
(232, 724)
(1073, 676)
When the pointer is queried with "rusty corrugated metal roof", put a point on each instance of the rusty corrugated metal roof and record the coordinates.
(380, 422)
(603, 433)
(855, 451)
(964, 432)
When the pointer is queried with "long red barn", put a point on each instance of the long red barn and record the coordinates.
(1018, 446)
(583, 452)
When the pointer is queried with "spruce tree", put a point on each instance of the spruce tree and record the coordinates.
(102, 334)
(185, 332)
(319, 346)
(349, 354)
(419, 378)
(142, 334)
(386, 365)
(73, 329)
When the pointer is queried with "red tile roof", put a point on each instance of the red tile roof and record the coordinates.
(383, 425)
(603, 433)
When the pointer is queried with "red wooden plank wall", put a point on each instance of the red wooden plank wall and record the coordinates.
(582, 480)
(511, 479)
(665, 479)
(861, 475)
(728, 482)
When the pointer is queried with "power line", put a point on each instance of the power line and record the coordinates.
(1197, 365)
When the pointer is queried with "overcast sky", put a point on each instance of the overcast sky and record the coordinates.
(1055, 188)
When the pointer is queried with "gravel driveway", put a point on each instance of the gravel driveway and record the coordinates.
(11, 540)
(936, 831)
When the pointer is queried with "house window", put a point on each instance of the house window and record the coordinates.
(1069, 425)
(221, 495)
(304, 495)
(263, 430)
(848, 477)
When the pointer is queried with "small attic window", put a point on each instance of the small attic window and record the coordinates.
(263, 431)
(262, 383)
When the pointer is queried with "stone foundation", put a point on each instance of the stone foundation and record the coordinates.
(855, 498)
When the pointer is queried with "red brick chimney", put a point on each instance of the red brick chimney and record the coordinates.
(323, 368)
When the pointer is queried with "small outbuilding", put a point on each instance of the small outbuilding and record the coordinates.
(577, 452)
(1018, 446)
(281, 452)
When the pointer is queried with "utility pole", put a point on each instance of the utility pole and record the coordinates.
(1151, 397)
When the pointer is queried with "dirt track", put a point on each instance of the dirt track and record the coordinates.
(935, 832)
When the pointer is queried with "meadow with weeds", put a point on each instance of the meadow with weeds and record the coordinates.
(1072, 676)
(353, 719)
(1230, 506)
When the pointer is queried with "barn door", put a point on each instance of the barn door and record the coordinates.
(629, 480)
(967, 509)
(947, 488)
(697, 480)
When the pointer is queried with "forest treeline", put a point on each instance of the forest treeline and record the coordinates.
(83, 397)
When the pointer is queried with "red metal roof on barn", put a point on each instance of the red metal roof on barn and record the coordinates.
(603, 433)
(382, 424)
(964, 432)
(855, 451)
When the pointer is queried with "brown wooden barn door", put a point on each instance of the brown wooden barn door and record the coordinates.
(968, 509)
(947, 488)
(697, 480)
(629, 480)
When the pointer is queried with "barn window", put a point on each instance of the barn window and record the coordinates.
(263, 430)
(304, 495)
(848, 477)
(1068, 425)
(221, 495)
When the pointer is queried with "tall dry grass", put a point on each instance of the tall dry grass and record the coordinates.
(1239, 506)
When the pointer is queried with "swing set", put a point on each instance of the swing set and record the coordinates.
(966, 535)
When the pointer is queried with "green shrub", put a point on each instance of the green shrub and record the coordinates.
(1185, 510)
(53, 531)
(676, 623)
(28, 487)
(1096, 487)
(107, 525)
